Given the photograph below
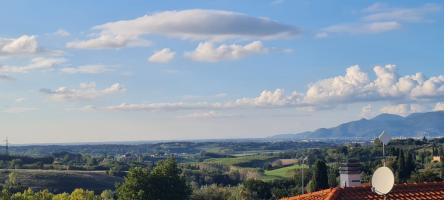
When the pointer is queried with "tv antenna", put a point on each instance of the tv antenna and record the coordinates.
(385, 139)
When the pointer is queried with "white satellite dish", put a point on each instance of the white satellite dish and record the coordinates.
(383, 180)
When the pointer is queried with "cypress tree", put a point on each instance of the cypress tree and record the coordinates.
(410, 164)
(320, 176)
(401, 167)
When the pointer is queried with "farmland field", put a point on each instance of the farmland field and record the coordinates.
(281, 173)
(63, 181)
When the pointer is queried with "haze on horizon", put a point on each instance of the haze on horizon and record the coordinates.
(97, 71)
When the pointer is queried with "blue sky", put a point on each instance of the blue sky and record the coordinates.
(87, 71)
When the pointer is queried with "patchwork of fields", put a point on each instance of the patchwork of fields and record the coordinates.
(58, 181)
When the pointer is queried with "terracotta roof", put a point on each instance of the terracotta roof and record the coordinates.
(408, 191)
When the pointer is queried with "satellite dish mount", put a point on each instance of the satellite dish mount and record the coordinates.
(385, 139)
(383, 178)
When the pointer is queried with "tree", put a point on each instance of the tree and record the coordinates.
(163, 182)
(256, 189)
(133, 187)
(31, 195)
(212, 192)
(410, 164)
(427, 175)
(81, 194)
(107, 195)
(168, 182)
(332, 176)
(402, 172)
(320, 176)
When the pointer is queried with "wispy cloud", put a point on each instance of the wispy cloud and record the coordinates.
(379, 18)
(16, 109)
(162, 56)
(86, 91)
(62, 33)
(108, 41)
(86, 69)
(382, 12)
(38, 63)
(206, 115)
(358, 28)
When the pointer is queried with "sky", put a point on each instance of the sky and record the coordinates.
(108, 70)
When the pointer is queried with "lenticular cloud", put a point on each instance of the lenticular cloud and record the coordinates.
(194, 24)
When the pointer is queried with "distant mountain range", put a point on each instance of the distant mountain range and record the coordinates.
(415, 125)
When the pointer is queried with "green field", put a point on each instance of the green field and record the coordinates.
(281, 173)
(250, 161)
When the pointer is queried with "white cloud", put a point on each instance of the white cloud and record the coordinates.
(24, 44)
(165, 106)
(38, 63)
(86, 69)
(195, 24)
(380, 12)
(439, 106)
(373, 27)
(162, 56)
(353, 87)
(402, 109)
(379, 18)
(86, 91)
(268, 98)
(367, 111)
(340, 88)
(206, 52)
(62, 33)
(206, 115)
(108, 41)
(19, 100)
(16, 110)
(87, 108)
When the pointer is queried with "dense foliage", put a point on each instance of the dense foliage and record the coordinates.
(162, 182)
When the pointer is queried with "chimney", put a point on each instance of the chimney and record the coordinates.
(350, 174)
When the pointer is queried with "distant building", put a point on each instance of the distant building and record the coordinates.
(350, 174)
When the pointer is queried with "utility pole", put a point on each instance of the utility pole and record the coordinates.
(6, 147)
(302, 174)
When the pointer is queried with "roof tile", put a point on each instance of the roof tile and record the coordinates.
(406, 191)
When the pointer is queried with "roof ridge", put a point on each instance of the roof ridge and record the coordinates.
(327, 191)
(400, 190)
